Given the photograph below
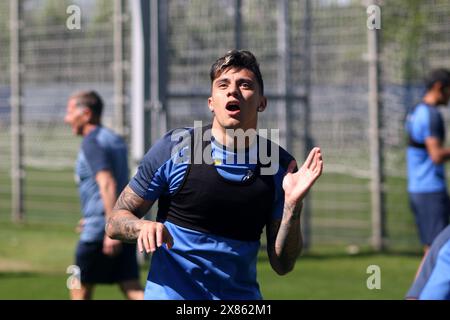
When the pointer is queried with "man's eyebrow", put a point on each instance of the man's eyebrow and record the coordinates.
(219, 80)
(248, 79)
(225, 79)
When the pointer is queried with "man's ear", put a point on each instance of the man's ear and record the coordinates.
(87, 114)
(262, 105)
(210, 106)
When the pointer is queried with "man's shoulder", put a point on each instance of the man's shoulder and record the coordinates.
(443, 239)
(168, 145)
(90, 141)
(435, 114)
(173, 137)
(102, 137)
(419, 110)
(107, 135)
(425, 112)
(275, 152)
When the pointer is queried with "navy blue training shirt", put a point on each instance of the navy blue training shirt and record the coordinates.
(202, 265)
(100, 150)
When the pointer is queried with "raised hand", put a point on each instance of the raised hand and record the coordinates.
(296, 185)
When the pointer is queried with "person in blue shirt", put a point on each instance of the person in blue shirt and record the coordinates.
(101, 174)
(426, 154)
(433, 278)
(217, 187)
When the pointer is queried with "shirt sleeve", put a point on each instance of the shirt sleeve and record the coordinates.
(96, 156)
(433, 279)
(159, 171)
(438, 285)
(435, 125)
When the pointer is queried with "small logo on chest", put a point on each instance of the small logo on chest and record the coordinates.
(248, 175)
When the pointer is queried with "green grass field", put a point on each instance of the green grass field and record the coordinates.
(34, 259)
(34, 256)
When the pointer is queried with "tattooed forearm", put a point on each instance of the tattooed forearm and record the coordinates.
(292, 210)
(125, 228)
(285, 240)
(124, 223)
(130, 201)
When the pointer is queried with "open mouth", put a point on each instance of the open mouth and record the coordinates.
(233, 106)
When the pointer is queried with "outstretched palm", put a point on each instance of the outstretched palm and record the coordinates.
(296, 185)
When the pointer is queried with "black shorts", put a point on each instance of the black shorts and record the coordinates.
(95, 267)
(432, 211)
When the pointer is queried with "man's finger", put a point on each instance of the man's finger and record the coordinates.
(316, 159)
(319, 171)
(159, 236)
(311, 157)
(151, 240)
(139, 243)
(145, 242)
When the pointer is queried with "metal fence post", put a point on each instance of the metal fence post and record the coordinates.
(376, 167)
(119, 83)
(17, 169)
(237, 24)
(158, 68)
(308, 143)
(140, 78)
(284, 62)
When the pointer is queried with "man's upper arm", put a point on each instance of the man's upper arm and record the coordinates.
(105, 177)
(434, 146)
(131, 202)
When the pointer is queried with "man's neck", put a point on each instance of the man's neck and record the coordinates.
(88, 128)
(430, 99)
(230, 141)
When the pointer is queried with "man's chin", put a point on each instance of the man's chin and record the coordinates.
(232, 124)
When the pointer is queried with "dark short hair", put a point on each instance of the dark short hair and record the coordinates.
(241, 59)
(438, 75)
(89, 99)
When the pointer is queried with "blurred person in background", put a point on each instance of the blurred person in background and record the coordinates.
(426, 154)
(101, 173)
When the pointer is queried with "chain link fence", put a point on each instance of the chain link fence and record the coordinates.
(57, 61)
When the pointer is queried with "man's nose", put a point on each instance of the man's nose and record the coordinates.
(233, 89)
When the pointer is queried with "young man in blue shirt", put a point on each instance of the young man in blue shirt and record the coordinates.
(216, 193)
(426, 155)
(102, 173)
